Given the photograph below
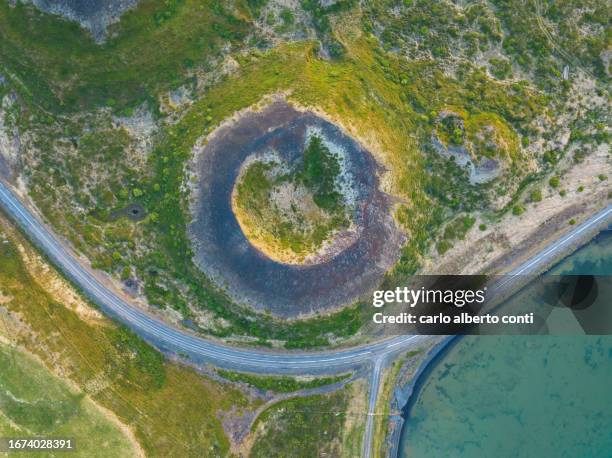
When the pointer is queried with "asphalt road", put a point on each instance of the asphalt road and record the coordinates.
(170, 339)
(549, 254)
(374, 387)
(201, 350)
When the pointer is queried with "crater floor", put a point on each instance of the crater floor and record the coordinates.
(297, 213)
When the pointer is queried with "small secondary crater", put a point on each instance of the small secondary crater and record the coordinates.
(135, 212)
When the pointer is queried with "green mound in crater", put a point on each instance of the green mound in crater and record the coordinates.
(291, 215)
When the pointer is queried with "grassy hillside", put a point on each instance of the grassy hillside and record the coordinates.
(376, 95)
(72, 362)
(288, 215)
(307, 426)
(35, 403)
(368, 91)
(153, 48)
(172, 410)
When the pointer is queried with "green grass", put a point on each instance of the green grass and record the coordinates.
(420, 28)
(118, 370)
(387, 102)
(535, 195)
(458, 228)
(61, 67)
(280, 384)
(302, 427)
(35, 403)
(500, 68)
(450, 130)
(483, 134)
(316, 210)
(343, 89)
(255, 186)
(492, 137)
(320, 171)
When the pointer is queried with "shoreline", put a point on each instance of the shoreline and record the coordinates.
(406, 394)
(410, 390)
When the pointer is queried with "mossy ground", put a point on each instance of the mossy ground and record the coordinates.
(34, 403)
(343, 90)
(170, 409)
(308, 427)
(321, 425)
(482, 134)
(60, 67)
(280, 384)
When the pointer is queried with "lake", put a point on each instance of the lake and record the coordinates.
(519, 396)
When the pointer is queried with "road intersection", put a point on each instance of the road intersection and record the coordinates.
(201, 350)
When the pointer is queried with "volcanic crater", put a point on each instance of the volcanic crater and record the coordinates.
(354, 254)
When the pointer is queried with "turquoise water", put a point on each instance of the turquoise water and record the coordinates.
(595, 258)
(516, 396)
(519, 396)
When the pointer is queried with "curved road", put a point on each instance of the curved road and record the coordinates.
(170, 339)
(198, 349)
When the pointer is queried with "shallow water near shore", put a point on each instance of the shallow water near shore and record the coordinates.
(249, 276)
(519, 396)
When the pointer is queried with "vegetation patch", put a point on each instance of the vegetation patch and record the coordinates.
(280, 384)
(289, 214)
(115, 368)
(454, 230)
(152, 48)
(35, 403)
(484, 135)
(302, 427)
(343, 90)
(387, 102)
